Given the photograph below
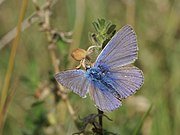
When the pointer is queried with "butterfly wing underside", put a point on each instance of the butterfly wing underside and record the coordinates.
(74, 80)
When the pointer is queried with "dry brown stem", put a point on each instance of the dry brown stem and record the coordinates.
(45, 25)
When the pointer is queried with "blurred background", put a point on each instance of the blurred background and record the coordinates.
(35, 109)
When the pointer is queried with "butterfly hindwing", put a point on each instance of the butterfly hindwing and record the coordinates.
(104, 100)
(74, 80)
(121, 49)
(127, 80)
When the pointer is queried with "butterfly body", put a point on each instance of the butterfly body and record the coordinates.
(112, 78)
(97, 73)
(100, 77)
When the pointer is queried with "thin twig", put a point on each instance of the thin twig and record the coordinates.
(100, 115)
(44, 16)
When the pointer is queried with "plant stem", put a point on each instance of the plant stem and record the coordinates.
(100, 115)
(47, 29)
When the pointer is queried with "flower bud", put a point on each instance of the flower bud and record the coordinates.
(78, 54)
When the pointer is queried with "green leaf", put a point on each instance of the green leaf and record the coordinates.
(111, 29)
(96, 26)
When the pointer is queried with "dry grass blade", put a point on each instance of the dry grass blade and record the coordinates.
(139, 126)
(78, 28)
(7, 38)
(4, 93)
(1, 1)
(11, 34)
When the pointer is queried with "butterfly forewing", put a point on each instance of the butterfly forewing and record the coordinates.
(121, 49)
(74, 80)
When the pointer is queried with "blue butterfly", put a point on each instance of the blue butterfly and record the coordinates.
(112, 78)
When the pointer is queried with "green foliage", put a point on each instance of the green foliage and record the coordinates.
(36, 120)
(104, 32)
